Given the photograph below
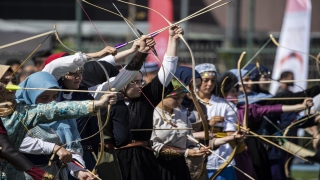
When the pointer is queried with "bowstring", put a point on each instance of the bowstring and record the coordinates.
(29, 56)
(115, 59)
(28, 131)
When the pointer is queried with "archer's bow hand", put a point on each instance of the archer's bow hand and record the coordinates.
(84, 175)
(307, 103)
(146, 43)
(203, 151)
(239, 136)
(108, 50)
(106, 99)
(175, 31)
(64, 155)
(135, 46)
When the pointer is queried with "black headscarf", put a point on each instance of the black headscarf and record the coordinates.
(185, 74)
(255, 76)
(93, 73)
(232, 81)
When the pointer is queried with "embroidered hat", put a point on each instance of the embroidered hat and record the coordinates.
(206, 67)
(178, 88)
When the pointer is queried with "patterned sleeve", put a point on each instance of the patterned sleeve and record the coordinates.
(28, 116)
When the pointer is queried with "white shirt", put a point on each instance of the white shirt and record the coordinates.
(125, 77)
(175, 138)
(316, 104)
(220, 108)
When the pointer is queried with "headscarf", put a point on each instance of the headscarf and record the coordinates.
(206, 67)
(93, 74)
(231, 81)
(149, 67)
(236, 73)
(63, 95)
(255, 75)
(37, 80)
(54, 57)
(187, 106)
(178, 88)
(184, 74)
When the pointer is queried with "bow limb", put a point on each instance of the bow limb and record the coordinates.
(27, 39)
(245, 118)
(104, 9)
(298, 122)
(48, 33)
(184, 41)
(100, 156)
(311, 56)
(191, 87)
(10, 105)
(235, 167)
(276, 145)
(99, 159)
(59, 40)
(279, 45)
(235, 149)
(155, 54)
(317, 63)
(204, 125)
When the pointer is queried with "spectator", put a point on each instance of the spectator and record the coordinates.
(26, 71)
(284, 87)
(14, 64)
(39, 58)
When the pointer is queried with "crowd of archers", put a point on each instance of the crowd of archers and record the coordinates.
(91, 118)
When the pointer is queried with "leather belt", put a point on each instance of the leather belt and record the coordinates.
(135, 143)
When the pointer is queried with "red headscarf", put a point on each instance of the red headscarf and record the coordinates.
(54, 57)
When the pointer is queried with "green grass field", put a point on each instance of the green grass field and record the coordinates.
(305, 175)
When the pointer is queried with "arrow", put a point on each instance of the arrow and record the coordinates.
(15, 87)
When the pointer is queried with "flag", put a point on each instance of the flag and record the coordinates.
(295, 34)
(156, 22)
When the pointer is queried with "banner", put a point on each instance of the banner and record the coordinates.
(295, 34)
(156, 22)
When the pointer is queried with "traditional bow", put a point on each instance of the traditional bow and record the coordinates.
(153, 50)
(192, 86)
(233, 153)
(101, 127)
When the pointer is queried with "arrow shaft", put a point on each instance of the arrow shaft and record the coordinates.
(68, 90)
